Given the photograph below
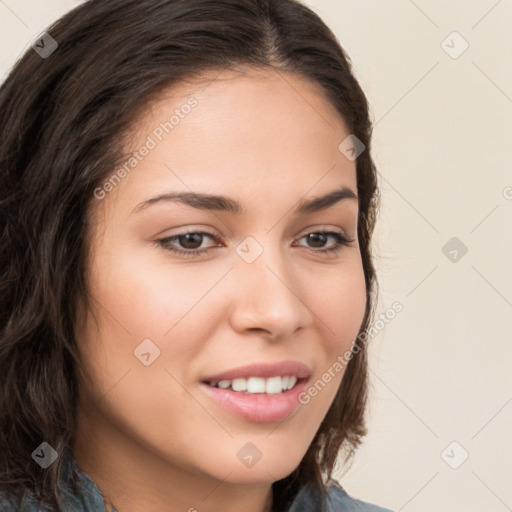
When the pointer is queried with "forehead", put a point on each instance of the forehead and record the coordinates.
(261, 131)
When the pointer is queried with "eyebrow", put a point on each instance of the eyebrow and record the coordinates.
(226, 204)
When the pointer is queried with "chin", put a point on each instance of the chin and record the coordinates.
(264, 471)
(258, 476)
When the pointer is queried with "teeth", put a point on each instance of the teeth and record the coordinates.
(255, 385)
(239, 384)
(271, 386)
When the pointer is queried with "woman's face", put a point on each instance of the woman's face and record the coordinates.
(264, 293)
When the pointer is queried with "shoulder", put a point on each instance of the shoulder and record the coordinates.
(11, 504)
(25, 503)
(87, 497)
(6, 505)
(338, 500)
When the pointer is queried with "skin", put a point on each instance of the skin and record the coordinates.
(147, 435)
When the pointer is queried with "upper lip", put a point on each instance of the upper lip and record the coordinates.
(263, 370)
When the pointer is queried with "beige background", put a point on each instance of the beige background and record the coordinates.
(441, 369)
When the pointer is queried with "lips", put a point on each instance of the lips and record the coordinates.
(264, 370)
(259, 407)
(256, 406)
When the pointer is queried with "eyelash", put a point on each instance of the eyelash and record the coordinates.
(341, 242)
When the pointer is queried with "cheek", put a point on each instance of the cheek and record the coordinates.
(152, 298)
(338, 300)
(137, 300)
(339, 303)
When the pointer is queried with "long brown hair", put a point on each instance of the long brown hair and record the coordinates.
(61, 121)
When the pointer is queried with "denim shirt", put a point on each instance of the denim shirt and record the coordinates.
(90, 498)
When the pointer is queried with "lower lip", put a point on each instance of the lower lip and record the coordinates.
(258, 407)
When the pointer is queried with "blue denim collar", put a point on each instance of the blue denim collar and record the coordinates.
(88, 497)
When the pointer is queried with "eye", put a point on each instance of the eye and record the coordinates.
(190, 241)
(319, 239)
(188, 244)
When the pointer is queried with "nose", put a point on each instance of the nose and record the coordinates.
(267, 296)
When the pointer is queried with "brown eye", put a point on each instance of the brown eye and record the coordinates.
(187, 244)
(318, 240)
(190, 240)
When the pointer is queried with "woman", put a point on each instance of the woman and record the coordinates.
(187, 202)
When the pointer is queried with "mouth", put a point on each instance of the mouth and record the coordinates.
(259, 393)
